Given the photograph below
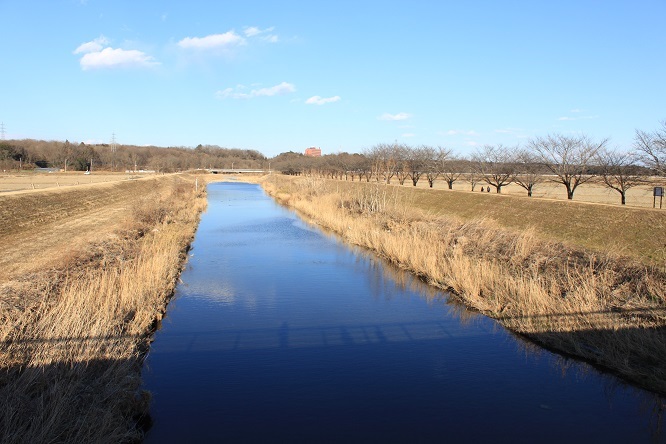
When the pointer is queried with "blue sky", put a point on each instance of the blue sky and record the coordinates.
(342, 75)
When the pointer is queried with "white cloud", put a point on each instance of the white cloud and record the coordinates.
(110, 58)
(399, 116)
(93, 46)
(576, 110)
(318, 100)
(252, 31)
(237, 93)
(271, 38)
(213, 41)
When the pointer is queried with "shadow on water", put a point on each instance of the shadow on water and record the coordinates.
(372, 354)
(639, 352)
(274, 348)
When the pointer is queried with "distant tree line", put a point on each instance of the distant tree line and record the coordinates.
(568, 160)
(68, 156)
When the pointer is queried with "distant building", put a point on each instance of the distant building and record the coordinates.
(313, 152)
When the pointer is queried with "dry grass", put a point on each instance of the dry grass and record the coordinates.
(29, 180)
(591, 192)
(597, 305)
(624, 231)
(73, 335)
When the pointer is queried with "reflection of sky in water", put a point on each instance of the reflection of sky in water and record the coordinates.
(279, 333)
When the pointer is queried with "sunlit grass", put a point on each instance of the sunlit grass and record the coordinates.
(71, 353)
(540, 268)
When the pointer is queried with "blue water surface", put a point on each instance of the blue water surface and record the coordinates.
(282, 333)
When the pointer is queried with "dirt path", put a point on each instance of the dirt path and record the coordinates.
(40, 229)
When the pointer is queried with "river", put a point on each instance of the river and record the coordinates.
(280, 332)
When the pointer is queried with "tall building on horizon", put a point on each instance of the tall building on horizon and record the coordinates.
(313, 152)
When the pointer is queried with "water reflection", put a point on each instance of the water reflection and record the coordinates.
(281, 334)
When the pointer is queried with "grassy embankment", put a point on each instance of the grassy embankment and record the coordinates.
(584, 279)
(86, 276)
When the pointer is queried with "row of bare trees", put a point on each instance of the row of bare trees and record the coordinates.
(568, 160)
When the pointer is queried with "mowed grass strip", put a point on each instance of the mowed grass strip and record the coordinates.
(21, 210)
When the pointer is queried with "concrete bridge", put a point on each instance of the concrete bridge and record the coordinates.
(236, 171)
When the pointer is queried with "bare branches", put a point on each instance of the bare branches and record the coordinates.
(651, 148)
(618, 171)
(495, 164)
(529, 171)
(568, 158)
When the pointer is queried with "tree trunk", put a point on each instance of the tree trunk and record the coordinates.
(624, 199)
(450, 182)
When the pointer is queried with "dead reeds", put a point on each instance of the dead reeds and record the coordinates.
(71, 347)
(607, 309)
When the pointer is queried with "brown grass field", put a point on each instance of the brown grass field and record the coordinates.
(86, 271)
(29, 180)
(593, 192)
(85, 275)
(586, 280)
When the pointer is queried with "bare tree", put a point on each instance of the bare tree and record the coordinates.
(401, 154)
(495, 165)
(651, 148)
(473, 178)
(373, 156)
(568, 158)
(418, 161)
(618, 171)
(436, 159)
(453, 168)
(384, 162)
(528, 170)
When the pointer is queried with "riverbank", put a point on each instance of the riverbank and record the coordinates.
(559, 286)
(86, 276)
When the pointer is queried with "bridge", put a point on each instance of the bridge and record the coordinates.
(236, 171)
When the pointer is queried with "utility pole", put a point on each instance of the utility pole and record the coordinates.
(114, 147)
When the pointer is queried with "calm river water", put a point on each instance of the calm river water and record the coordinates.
(281, 333)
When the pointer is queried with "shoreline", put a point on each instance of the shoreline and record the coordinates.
(74, 334)
(603, 309)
